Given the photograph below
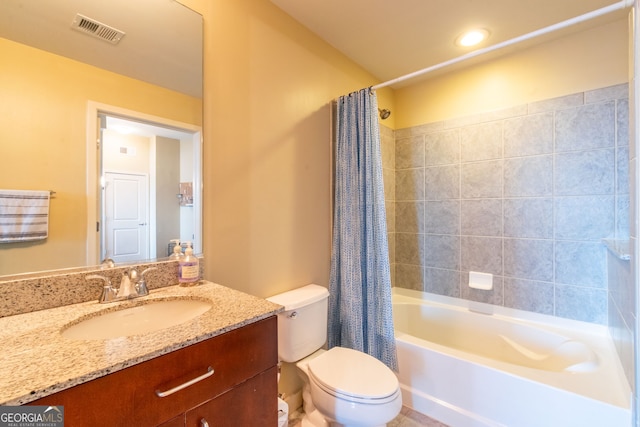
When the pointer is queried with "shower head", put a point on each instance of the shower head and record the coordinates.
(384, 114)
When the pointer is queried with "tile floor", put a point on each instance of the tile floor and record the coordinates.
(411, 418)
(407, 418)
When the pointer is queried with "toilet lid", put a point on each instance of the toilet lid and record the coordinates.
(343, 371)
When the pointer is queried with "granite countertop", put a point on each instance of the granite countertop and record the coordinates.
(36, 360)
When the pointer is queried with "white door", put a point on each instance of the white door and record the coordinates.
(126, 216)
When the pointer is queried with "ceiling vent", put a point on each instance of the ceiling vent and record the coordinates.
(97, 29)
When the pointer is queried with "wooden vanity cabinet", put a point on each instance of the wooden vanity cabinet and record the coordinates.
(175, 422)
(236, 407)
(237, 386)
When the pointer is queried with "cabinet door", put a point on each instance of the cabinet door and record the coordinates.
(175, 422)
(253, 403)
(105, 401)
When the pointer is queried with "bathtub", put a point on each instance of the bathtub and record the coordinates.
(476, 365)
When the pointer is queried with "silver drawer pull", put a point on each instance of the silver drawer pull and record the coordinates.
(185, 385)
(204, 423)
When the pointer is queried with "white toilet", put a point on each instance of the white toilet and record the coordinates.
(343, 387)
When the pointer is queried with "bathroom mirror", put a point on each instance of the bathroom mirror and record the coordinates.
(63, 63)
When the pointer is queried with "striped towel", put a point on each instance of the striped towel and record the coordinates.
(24, 215)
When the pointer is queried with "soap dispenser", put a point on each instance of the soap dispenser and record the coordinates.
(188, 268)
(177, 251)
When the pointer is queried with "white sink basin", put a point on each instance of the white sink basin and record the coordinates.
(150, 317)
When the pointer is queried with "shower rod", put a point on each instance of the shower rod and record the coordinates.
(621, 5)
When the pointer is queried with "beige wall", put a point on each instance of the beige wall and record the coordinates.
(268, 83)
(43, 114)
(574, 63)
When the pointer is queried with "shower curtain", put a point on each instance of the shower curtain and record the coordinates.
(360, 284)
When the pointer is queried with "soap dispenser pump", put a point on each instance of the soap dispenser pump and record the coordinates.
(177, 251)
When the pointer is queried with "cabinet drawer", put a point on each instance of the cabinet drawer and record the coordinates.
(252, 403)
(233, 357)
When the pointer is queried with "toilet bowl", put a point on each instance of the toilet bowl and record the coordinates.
(348, 388)
(342, 387)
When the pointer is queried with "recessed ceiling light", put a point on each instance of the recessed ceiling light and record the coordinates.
(472, 37)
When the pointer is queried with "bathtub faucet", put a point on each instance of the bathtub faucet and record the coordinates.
(480, 308)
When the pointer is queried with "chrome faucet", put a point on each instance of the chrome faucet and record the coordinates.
(141, 286)
(130, 286)
(108, 292)
(127, 287)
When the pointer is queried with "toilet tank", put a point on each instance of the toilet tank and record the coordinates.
(302, 327)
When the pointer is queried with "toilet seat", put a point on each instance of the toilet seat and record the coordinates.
(354, 376)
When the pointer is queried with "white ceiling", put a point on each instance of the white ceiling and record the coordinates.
(163, 41)
(391, 38)
(134, 127)
(162, 44)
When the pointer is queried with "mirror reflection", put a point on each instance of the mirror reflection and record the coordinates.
(147, 176)
(56, 81)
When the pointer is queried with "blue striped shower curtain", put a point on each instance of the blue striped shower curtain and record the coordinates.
(360, 311)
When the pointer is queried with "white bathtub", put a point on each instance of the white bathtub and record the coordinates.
(507, 368)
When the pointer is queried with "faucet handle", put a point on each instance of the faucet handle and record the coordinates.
(141, 286)
(145, 271)
(108, 292)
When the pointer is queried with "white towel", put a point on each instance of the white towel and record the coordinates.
(24, 215)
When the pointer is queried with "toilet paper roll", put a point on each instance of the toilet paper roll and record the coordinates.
(283, 413)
